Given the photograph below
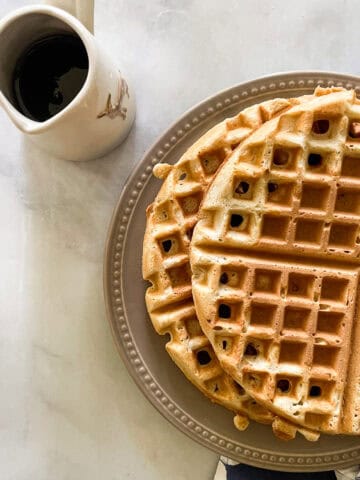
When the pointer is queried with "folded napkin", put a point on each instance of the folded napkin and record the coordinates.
(229, 470)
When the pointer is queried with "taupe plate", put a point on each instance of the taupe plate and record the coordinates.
(143, 350)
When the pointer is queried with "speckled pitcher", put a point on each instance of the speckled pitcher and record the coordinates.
(101, 114)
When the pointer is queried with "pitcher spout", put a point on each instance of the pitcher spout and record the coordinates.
(24, 124)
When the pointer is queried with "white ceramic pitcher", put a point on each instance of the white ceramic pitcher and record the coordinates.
(101, 114)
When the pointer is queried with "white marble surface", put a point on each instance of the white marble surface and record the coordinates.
(68, 408)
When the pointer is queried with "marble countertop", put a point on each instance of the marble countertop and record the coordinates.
(69, 409)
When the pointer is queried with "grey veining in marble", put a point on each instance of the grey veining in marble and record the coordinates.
(68, 409)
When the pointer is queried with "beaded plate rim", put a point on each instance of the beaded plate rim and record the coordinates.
(114, 298)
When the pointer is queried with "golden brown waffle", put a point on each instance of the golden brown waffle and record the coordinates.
(275, 260)
(170, 221)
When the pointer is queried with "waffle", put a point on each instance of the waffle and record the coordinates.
(275, 261)
(170, 222)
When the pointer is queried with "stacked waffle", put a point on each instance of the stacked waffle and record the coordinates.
(252, 251)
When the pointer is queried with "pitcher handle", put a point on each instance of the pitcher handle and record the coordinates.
(83, 10)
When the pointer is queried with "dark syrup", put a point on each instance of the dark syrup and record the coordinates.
(48, 75)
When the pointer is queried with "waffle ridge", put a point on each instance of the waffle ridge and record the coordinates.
(275, 261)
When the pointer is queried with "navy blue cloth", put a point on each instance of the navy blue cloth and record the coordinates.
(245, 472)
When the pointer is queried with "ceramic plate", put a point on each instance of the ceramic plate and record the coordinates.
(143, 350)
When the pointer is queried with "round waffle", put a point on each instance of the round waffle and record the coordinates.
(275, 261)
(170, 222)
